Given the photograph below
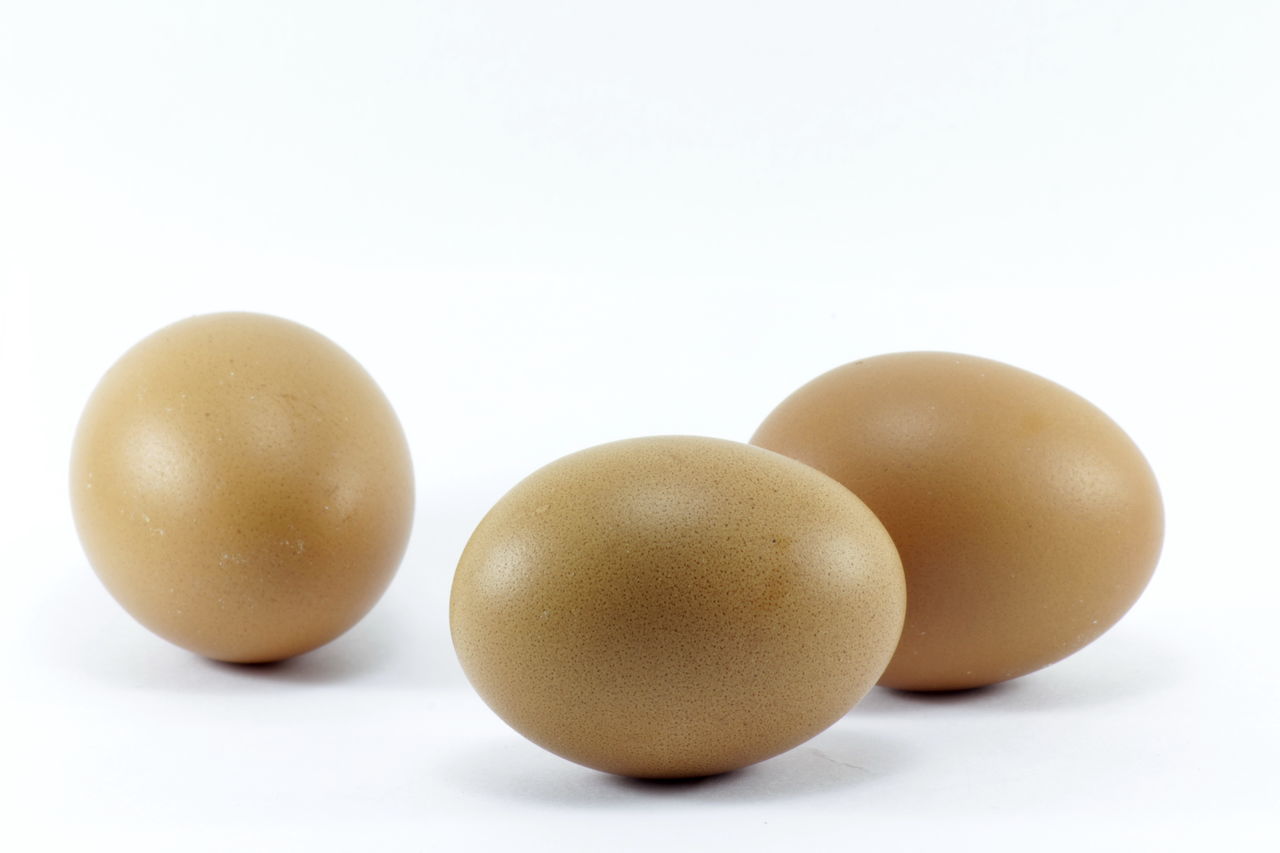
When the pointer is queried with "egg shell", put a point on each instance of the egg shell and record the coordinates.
(675, 606)
(242, 486)
(1028, 522)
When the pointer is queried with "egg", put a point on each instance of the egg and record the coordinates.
(1027, 521)
(675, 606)
(242, 487)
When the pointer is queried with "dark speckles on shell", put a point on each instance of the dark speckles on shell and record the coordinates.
(676, 606)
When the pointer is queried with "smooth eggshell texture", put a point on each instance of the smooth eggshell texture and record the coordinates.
(1027, 521)
(242, 486)
(675, 606)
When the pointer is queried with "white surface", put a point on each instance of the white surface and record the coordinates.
(543, 226)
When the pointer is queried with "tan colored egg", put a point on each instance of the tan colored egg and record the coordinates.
(675, 606)
(1027, 521)
(242, 487)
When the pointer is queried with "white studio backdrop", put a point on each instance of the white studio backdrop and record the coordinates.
(542, 226)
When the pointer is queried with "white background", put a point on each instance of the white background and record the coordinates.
(546, 225)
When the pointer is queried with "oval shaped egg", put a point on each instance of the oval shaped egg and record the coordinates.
(1027, 521)
(242, 486)
(675, 606)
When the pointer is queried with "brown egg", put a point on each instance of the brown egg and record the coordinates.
(242, 487)
(1027, 521)
(675, 606)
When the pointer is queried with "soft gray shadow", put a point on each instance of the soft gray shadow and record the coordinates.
(1116, 669)
(122, 654)
(835, 760)
(887, 699)
(354, 657)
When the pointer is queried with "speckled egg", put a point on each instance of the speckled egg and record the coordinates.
(676, 606)
(1027, 520)
(242, 486)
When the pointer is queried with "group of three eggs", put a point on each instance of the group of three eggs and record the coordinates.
(656, 607)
